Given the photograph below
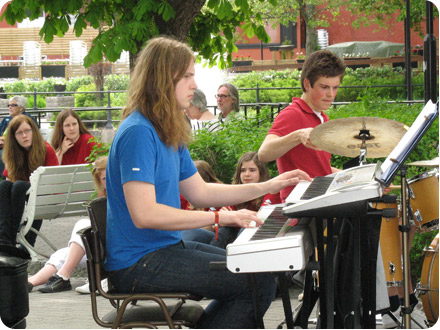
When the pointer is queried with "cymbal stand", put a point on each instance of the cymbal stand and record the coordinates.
(364, 134)
(404, 228)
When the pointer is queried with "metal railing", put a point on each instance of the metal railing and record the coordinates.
(275, 108)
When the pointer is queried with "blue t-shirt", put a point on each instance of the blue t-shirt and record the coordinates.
(138, 154)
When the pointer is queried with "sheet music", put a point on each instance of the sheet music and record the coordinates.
(399, 154)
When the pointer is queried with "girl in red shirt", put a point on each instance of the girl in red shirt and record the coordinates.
(71, 139)
(251, 170)
(24, 151)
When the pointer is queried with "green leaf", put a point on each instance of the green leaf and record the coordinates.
(166, 11)
(225, 9)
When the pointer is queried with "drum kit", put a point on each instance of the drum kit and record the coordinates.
(371, 137)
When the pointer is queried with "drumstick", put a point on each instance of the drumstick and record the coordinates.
(392, 186)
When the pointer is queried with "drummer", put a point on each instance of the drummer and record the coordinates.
(288, 141)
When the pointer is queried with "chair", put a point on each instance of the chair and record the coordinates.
(160, 309)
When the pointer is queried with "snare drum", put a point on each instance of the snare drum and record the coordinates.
(429, 282)
(390, 245)
(423, 193)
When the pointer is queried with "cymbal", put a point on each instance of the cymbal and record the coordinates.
(343, 136)
(427, 163)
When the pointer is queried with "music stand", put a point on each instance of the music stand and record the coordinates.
(401, 152)
(395, 162)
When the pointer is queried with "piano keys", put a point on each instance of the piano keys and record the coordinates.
(337, 193)
(280, 244)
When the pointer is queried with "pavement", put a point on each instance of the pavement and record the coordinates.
(72, 310)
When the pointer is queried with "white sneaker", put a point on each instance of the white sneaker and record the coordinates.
(86, 287)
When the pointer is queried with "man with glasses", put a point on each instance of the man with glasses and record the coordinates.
(227, 101)
(17, 106)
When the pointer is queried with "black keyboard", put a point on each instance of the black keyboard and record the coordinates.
(317, 187)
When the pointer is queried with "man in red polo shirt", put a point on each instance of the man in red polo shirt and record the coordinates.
(288, 140)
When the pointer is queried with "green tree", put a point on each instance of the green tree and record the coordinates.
(208, 26)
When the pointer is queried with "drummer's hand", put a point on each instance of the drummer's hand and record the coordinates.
(304, 137)
(241, 218)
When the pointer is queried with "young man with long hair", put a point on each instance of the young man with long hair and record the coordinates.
(148, 165)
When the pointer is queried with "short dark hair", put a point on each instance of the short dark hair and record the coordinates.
(322, 63)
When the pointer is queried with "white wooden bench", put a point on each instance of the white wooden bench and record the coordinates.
(56, 191)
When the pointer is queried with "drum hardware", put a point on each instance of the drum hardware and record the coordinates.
(390, 242)
(424, 200)
(369, 137)
(427, 163)
(406, 310)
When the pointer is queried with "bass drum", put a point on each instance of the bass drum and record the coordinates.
(429, 282)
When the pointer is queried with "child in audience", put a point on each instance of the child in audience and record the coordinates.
(205, 234)
(251, 170)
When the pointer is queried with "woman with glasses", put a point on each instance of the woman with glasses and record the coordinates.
(24, 151)
(17, 106)
(71, 139)
(227, 100)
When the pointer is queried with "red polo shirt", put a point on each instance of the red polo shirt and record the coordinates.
(296, 116)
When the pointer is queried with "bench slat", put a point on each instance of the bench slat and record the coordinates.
(64, 178)
(63, 187)
(52, 211)
(83, 196)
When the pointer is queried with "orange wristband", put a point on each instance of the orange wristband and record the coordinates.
(216, 224)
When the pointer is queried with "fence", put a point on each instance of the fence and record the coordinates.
(274, 108)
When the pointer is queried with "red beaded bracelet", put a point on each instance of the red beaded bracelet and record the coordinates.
(216, 224)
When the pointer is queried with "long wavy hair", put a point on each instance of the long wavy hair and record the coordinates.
(20, 162)
(264, 176)
(159, 67)
(58, 132)
(100, 166)
(206, 172)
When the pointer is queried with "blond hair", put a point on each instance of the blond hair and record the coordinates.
(100, 166)
(159, 67)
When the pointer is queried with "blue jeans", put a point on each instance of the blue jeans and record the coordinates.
(198, 235)
(184, 267)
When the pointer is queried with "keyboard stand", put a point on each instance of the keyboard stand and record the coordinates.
(362, 231)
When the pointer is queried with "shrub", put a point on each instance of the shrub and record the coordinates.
(223, 148)
(116, 82)
(360, 77)
(75, 83)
